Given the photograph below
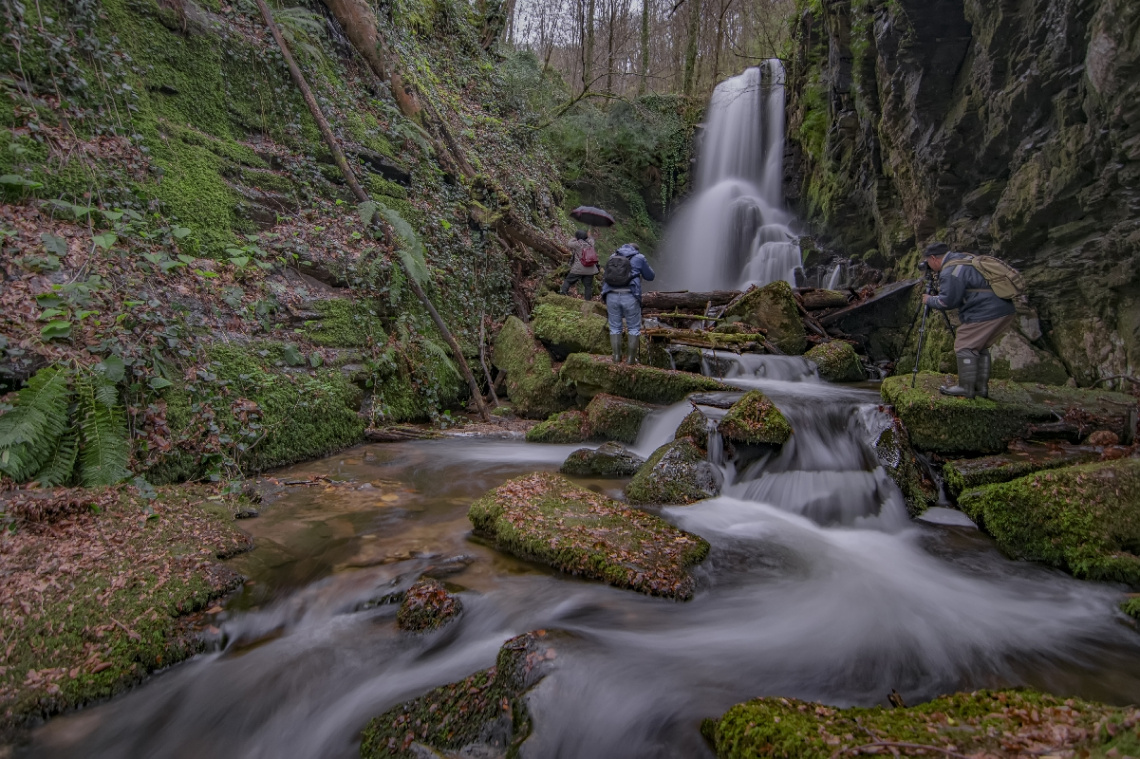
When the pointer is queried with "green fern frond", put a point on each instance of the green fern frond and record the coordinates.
(412, 251)
(29, 433)
(431, 346)
(58, 468)
(105, 450)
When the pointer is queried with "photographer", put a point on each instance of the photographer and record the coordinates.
(984, 316)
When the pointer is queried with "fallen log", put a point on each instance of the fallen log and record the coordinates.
(675, 301)
(397, 434)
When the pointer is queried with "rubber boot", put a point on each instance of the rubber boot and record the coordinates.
(615, 344)
(982, 384)
(633, 347)
(967, 376)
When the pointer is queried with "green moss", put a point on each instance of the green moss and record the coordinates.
(590, 375)
(755, 420)
(608, 460)
(614, 418)
(837, 362)
(347, 323)
(568, 331)
(1131, 607)
(1084, 519)
(427, 606)
(563, 427)
(676, 474)
(980, 723)
(773, 308)
(533, 387)
(893, 451)
(695, 426)
(546, 518)
(964, 474)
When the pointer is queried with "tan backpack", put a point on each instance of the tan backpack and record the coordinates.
(1006, 281)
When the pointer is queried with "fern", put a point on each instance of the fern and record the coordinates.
(30, 432)
(431, 346)
(412, 250)
(106, 449)
(59, 467)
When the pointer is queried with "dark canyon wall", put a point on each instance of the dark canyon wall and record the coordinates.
(1005, 126)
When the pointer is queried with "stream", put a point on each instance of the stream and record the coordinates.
(818, 586)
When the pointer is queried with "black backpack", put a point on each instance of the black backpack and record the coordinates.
(619, 271)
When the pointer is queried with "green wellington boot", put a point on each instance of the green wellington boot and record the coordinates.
(982, 383)
(633, 348)
(967, 376)
(615, 344)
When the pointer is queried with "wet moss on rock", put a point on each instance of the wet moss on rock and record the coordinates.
(1084, 519)
(755, 420)
(532, 386)
(773, 308)
(1131, 607)
(837, 362)
(676, 474)
(964, 474)
(607, 460)
(427, 606)
(563, 427)
(695, 426)
(893, 451)
(347, 323)
(546, 518)
(565, 330)
(614, 418)
(590, 375)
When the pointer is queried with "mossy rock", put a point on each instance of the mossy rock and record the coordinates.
(1131, 607)
(1015, 358)
(773, 308)
(482, 715)
(347, 323)
(837, 362)
(755, 420)
(590, 375)
(893, 451)
(532, 386)
(676, 474)
(964, 474)
(981, 723)
(567, 302)
(546, 518)
(563, 427)
(614, 418)
(571, 330)
(607, 460)
(427, 606)
(1084, 519)
(695, 426)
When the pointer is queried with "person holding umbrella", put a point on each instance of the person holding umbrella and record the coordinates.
(583, 265)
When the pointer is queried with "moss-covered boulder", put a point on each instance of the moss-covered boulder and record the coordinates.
(755, 420)
(482, 715)
(965, 474)
(590, 375)
(773, 308)
(984, 723)
(568, 302)
(676, 474)
(566, 329)
(695, 426)
(614, 418)
(532, 385)
(563, 427)
(427, 606)
(955, 425)
(608, 460)
(546, 518)
(837, 362)
(893, 451)
(1015, 358)
(346, 323)
(1083, 519)
(1131, 607)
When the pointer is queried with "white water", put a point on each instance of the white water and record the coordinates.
(735, 232)
(834, 277)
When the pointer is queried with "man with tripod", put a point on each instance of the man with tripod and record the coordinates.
(983, 314)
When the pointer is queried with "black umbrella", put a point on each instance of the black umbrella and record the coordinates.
(595, 217)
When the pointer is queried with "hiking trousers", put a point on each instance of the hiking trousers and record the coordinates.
(587, 281)
(978, 336)
(622, 304)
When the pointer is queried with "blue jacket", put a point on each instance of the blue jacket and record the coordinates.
(964, 288)
(641, 270)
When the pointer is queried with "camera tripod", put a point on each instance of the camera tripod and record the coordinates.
(928, 289)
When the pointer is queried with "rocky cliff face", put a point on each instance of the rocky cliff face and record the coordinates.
(1011, 128)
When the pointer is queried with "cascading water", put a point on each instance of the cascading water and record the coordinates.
(735, 231)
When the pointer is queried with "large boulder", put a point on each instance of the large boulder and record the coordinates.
(614, 418)
(676, 474)
(567, 325)
(773, 308)
(546, 518)
(532, 385)
(695, 426)
(837, 362)
(955, 425)
(563, 427)
(755, 420)
(607, 460)
(1084, 519)
(965, 474)
(590, 375)
(1015, 358)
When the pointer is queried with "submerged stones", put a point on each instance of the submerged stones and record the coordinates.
(546, 518)
(755, 420)
(677, 473)
(773, 308)
(608, 460)
(532, 385)
(427, 606)
(590, 375)
(837, 362)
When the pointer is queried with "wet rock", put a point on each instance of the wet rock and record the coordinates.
(427, 606)
(894, 454)
(1103, 438)
(484, 715)
(837, 362)
(608, 460)
(954, 425)
(532, 386)
(817, 300)
(1015, 358)
(563, 427)
(590, 375)
(955, 725)
(1020, 460)
(567, 325)
(1084, 519)
(773, 308)
(614, 418)
(676, 474)
(695, 427)
(546, 518)
(755, 420)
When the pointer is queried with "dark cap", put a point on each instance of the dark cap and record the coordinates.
(937, 249)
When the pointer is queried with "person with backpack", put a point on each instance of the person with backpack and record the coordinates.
(982, 288)
(621, 292)
(583, 265)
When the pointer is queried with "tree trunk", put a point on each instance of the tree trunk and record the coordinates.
(644, 83)
(690, 78)
(686, 300)
(610, 48)
(588, 55)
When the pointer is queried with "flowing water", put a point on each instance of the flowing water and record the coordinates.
(817, 586)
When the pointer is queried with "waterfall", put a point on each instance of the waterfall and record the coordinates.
(735, 231)
(833, 277)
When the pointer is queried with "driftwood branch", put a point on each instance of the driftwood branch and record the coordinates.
(677, 301)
